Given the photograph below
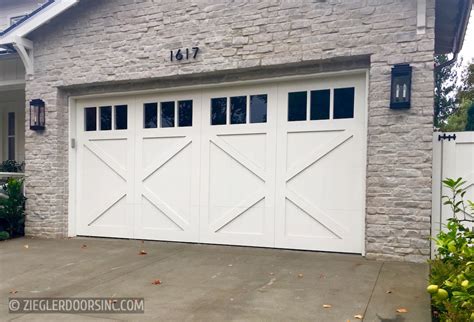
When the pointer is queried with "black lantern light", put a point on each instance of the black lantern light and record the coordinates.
(37, 115)
(400, 96)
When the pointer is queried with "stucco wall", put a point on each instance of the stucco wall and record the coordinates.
(107, 42)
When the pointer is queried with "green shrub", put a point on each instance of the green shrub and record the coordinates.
(452, 270)
(4, 235)
(12, 208)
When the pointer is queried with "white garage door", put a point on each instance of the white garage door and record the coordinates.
(275, 165)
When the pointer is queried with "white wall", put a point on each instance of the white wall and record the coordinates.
(12, 71)
(13, 8)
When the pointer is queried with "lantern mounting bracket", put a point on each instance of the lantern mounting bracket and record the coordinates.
(24, 48)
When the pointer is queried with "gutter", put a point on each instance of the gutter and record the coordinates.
(460, 34)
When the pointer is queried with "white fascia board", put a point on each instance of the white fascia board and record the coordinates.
(36, 21)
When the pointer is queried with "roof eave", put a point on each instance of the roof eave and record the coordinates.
(452, 43)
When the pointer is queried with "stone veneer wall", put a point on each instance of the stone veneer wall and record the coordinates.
(105, 42)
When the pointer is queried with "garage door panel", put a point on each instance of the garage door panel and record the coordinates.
(237, 189)
(321, 165)
(166, 185)
(251, 146)
(274, 165)
(300, 223)
(230, 182)
(105, 154)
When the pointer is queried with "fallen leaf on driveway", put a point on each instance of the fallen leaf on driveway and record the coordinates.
(388, 292)
(300, 275)
(26, 246)
(13, 291)
(156, 282)
(327, 306)
(84, 246)
(402, 310)
(142, 252)
(359, 316)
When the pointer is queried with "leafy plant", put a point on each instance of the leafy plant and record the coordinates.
(12, 208)
(4, 235)
(11, 166)
(452, 270)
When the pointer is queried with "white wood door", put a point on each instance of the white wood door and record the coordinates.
(278, 164)
(321, 160)
(167, 168)
(106, 169)
(238, 167)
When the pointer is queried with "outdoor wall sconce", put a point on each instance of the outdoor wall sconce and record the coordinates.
(400, 94)
(37, 115)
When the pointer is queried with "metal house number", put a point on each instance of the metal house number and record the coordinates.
(185, 54)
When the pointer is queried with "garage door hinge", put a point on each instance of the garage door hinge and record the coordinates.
(447, 137)
(73, 143)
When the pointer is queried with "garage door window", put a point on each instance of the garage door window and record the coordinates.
(320, 104)
(167, 114)
(105, 118)
(238, 110)
(90, 117)
(121, 117)
(297, 106)
(219, 111)
(344, 103)
(185, 113)
(258, 108)
(150, 115)
(242, 109)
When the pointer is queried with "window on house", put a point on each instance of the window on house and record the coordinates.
(320, 104)
(106, 118)
(167, 114)
(258, 108)
(344, 103)
(238, 110)
(121, 117)
(219, 111)
(11, 136)
(185, 113)
(297, 106)
(150, 115)
(90, 118)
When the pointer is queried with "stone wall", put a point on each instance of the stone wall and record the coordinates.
(101, 43)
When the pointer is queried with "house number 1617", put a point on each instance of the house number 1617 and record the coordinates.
(185, 54)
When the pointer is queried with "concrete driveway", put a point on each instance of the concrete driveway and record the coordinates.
(211, 283)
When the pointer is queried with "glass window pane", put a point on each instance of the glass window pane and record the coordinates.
(344, 103)
(11, 123)
(121, 117)
(320, 104)
(297, 106)
(167, 114)
(238, 110)
(185, 113)
(258, 108)
(219, 111)
(11, 148)
(105, 118)
(150, 115)
(90, 118)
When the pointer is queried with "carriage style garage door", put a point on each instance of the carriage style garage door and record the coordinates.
(277, 164)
